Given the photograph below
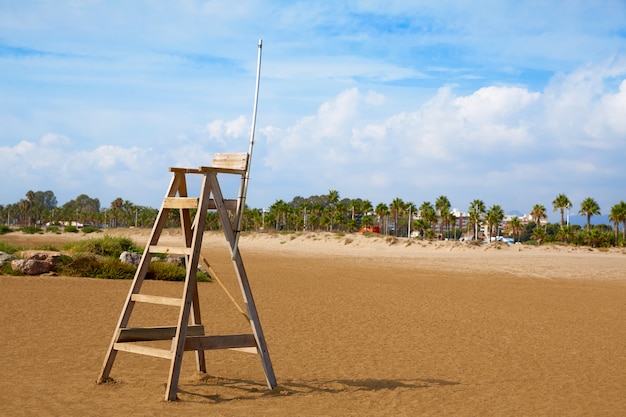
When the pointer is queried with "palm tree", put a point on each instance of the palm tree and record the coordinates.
(561, 203)
(396, 208)
(594, 238)
(332, 199)
(429, 215)
(410, 209)
(539, 234)
(476, 211)
(538, 213)
(30, 196)
(442, 204)
(421, 225)
(515, 227)
(618, 215)
(382, 211)
(367, 221)
(495, 214)
(355, 207)
(366, 207)
(565, 234)
(338, 214)
(116, 207)
(589, 207)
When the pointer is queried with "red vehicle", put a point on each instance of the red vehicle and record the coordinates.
(370, 229)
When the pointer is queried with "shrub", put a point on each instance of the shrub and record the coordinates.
(167, 271)
(94, 267)
(31, 230)
(71, 229)
(5, 229)
(8, 248)
(89, 229)
(53, 229)
(7, 270)
(105, 246)
(47, 247)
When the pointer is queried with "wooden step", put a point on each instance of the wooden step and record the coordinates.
(233, 341)
(144, 350)
(157, 299)
(144, 334)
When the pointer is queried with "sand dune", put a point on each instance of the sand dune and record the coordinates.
(355, 326)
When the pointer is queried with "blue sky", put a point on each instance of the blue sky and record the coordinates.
(506, 101)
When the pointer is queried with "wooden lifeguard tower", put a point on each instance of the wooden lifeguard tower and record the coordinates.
(188, 334)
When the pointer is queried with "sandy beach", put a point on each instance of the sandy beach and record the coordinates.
(355, 326)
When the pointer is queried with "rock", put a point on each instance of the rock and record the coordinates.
(5, 257)
(37, 263)
(178, 260)
(130, 258)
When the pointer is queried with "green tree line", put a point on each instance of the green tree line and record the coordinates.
(330, 212)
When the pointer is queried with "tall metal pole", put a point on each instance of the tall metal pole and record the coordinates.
(244, 186)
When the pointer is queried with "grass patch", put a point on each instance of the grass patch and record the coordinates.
(6, 269)
(31, 230)
(99, 258)
(8, 248)
(391, 240)
(47, 247)
(168, 271)
(4, 229)
(89, 229)
(54, 229)
(91, 266)
(105, 246)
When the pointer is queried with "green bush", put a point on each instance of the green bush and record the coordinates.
(89, 229)
(94, 267)
(105, 246)
(71, 229)
(5, 229)
(31, 230)
(53, 229)
(167, 271)
(8, 248)
(7, 270)
(47, 247)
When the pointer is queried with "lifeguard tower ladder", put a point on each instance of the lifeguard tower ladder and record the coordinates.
(188, 334)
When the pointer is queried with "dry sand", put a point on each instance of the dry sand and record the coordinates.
(355, 325)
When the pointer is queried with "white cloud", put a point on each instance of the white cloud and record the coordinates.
(53, 139)
(224, 132)
(498, 136)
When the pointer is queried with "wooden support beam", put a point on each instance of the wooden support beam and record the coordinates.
(229, 204)
(170, 250)
(180, 202)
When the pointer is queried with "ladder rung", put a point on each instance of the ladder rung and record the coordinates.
(145, 334)
(177, 250)
(229, 204)
(232, 341)
(157, 299)
(181, 202)
(144, 350)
